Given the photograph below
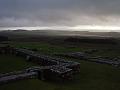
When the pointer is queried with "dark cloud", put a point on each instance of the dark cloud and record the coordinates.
(59, 12)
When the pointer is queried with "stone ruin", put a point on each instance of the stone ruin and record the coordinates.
(50, 67)
(98, 59)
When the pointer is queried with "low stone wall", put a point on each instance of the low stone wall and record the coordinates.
(52, 67)
(15, 76)
(102, 60)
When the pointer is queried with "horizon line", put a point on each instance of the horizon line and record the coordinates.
(90, 28)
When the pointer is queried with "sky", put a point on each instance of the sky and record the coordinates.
(60, 14)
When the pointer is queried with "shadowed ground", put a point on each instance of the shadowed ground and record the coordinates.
(92, 76)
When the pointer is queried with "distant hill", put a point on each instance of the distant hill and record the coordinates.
(21, 32)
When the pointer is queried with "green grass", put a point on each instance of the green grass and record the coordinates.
(10, 63)
(92, 76)
(46, 48)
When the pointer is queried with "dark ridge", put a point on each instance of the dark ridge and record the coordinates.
(19, 30)
(3, 38)
(91, 40)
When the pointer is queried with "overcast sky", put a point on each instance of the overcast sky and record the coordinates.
(30, 13)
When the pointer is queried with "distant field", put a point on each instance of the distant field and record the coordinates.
(48, 48)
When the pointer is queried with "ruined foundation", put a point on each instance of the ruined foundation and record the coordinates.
(50, 68)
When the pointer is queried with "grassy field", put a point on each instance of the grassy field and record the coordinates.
(10, 63)
(92, 76)
(47, 48)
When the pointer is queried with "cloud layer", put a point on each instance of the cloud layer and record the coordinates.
(59, 12)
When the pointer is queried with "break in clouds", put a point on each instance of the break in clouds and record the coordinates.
(30, 13)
